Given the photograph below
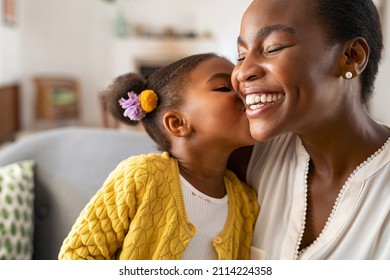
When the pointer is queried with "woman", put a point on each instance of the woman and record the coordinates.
(305, 70)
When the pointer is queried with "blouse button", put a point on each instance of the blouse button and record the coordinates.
(218, 240)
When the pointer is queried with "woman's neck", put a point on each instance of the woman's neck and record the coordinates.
(338, 148)
(335, 152)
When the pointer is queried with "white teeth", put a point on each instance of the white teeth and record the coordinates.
(251, 99)
(254, 107)
(255, 101)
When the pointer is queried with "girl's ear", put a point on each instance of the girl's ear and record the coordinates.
(176, 124)
(356, 55)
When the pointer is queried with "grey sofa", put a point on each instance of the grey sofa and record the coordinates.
(71, 165)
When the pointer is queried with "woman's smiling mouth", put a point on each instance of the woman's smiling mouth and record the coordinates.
(257, 100)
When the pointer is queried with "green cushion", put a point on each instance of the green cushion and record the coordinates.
(16, 210)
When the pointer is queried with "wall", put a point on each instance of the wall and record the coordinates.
(73, 37)
(10, 49)
(379, 105)
(66, 38)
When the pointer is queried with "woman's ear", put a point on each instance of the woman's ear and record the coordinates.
(356, 54)
(176, 124)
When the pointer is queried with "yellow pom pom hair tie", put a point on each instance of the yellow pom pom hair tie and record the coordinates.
(136, 107)
(148, 99)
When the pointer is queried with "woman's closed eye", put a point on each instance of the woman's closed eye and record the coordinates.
(275, 49)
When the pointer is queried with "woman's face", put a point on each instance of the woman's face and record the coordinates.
(286, 74)
(213, 108)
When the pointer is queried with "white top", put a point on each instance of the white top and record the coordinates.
(208, 215)
(359, 226)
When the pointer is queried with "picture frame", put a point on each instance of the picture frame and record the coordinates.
(9, 9)
(57, 99)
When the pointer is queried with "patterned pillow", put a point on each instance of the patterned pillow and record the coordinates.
(16, 210)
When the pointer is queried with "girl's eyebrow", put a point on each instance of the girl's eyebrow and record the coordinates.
(219, 75)
(263, 32)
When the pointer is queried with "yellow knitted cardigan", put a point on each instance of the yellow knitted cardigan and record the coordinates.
(139, 213)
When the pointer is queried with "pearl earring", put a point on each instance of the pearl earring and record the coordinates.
(348, 75)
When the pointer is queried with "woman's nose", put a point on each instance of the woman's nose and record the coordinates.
(248, 69)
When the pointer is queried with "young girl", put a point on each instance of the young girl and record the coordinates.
(183, 203)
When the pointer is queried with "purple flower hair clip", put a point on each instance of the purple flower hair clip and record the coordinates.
(138, 105)
(132, 107)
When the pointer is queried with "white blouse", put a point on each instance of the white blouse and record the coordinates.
(359, 226)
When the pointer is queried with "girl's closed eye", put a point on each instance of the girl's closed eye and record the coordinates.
(224, 88)
(240, 58)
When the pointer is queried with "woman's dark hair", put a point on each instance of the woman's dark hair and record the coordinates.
(169, 82)
(347, 19)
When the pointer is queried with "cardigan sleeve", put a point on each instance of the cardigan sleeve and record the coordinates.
(100, 229)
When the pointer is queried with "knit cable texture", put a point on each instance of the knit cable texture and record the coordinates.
(139, 214)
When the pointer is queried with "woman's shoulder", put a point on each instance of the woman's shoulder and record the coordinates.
(241, 159)
(278, 147)
(286, 140)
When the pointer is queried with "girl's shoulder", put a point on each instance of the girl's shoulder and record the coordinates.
(238, 186)
(142, 167)
(147, 162)
(146, 159)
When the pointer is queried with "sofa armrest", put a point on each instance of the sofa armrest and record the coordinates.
(71, 165)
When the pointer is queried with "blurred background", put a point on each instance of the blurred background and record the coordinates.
(56, 56)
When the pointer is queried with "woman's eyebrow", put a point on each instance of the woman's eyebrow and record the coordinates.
(263, 32)
(275, 28)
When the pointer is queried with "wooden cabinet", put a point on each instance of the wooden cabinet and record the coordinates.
(108, 119)
(57, 99)
(9, 112)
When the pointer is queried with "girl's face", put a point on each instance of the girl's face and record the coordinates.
(286, 74)
(213, 108)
